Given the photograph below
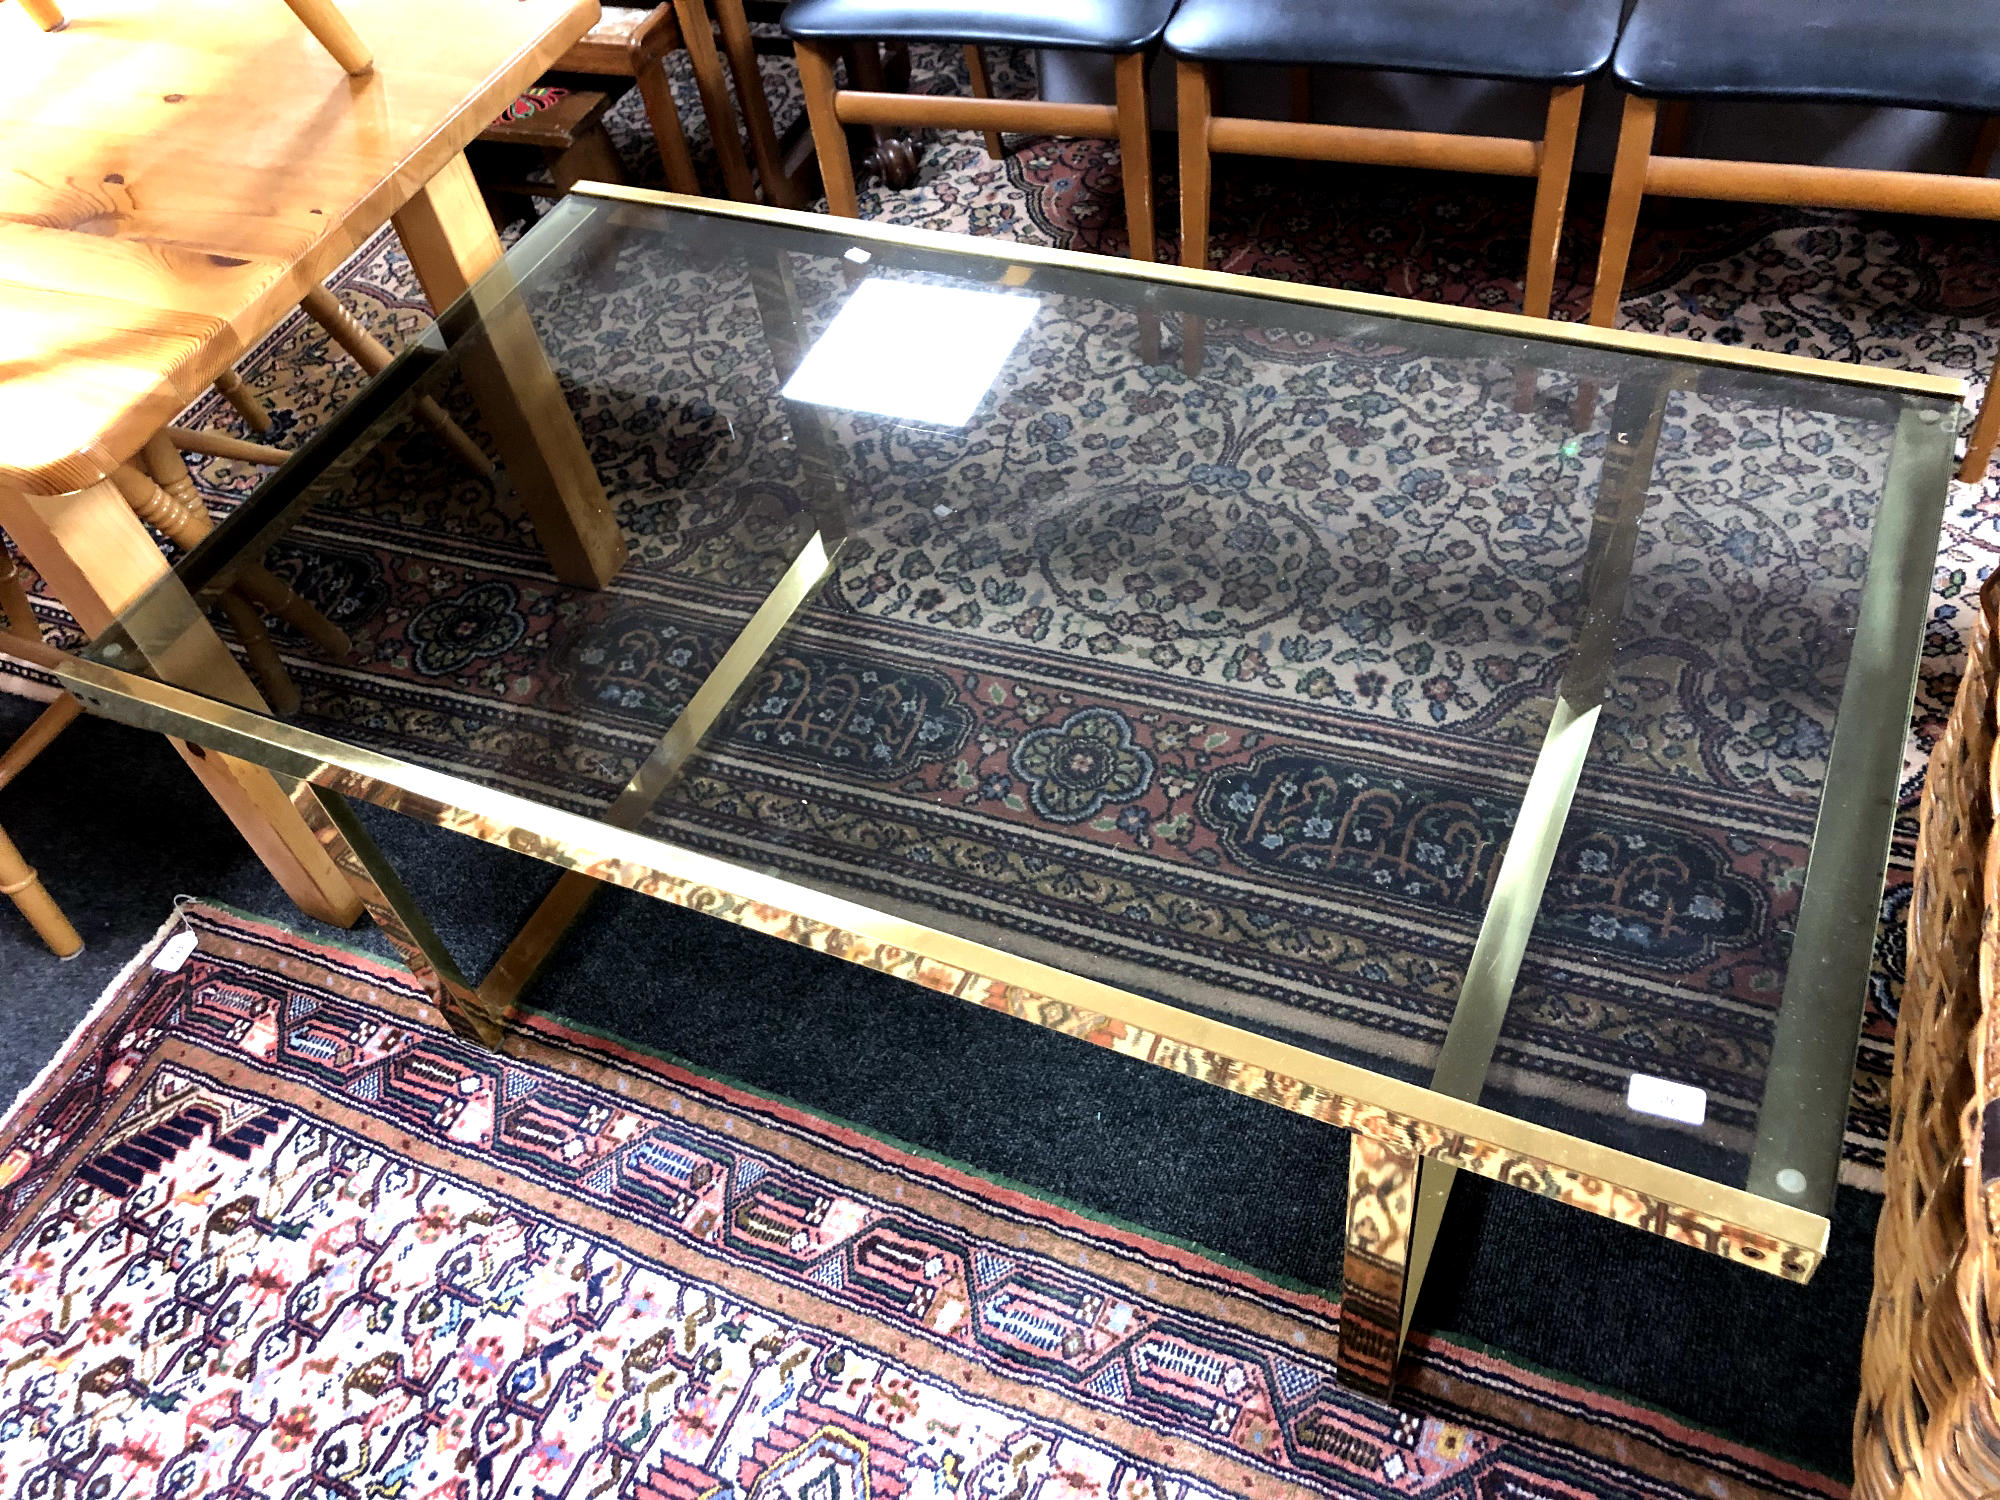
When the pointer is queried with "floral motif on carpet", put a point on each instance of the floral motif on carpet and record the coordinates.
(267, 1229)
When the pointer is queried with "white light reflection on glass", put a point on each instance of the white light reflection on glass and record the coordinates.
(912, 350)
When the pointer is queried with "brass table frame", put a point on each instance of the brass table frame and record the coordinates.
(1408, 1141)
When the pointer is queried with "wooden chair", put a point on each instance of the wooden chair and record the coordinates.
(1556, 43)
(1920, 54)
(629, 46)
(787, 165)
(1927, 1426)
(562, 127)
(18, 880)
(1128, 29)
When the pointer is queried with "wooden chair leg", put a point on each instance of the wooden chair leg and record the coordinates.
(19, 881)
(1979, 446)
(256, 642)
(38, 736)
(875, 68)
(1135, 154)
(1621, 212)
(676, 161)
(45, 14)
(373, 356)
(698, 36)
(248, 407)
(331, 29)
(1551, 198)
(1670, 136)
(982, 88)
(184, 521)
(15, 611)
(1193, 87)
(836, 166)
(1983, 151)
(741, 48)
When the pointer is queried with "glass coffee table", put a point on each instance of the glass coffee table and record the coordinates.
(1482, 735)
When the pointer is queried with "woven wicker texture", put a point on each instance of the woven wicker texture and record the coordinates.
(1928, 1425)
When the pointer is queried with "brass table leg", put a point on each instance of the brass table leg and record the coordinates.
(389, 902)
(1395, 1201)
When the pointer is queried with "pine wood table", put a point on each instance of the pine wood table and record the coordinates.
(177, 179)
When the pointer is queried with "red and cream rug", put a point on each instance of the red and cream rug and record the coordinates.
(268, 1230)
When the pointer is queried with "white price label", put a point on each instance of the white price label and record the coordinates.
(1669, 1100)
(174, 951)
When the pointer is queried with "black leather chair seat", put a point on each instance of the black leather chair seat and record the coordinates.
(1087, 25)
(1537, 41)
(1926, 54)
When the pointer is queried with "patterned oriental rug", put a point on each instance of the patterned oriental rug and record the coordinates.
(267, 1229)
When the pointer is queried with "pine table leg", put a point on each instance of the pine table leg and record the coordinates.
(451, 243)
(97, 558)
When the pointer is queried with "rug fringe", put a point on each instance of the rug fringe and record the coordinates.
(118, 982)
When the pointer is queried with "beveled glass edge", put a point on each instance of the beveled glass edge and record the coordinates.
(1515, 325)
(1803, 1116)
(1773, 1236)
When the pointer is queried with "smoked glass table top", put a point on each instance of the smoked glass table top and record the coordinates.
(1498, 707)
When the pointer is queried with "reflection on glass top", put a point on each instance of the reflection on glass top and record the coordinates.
(1225, 687)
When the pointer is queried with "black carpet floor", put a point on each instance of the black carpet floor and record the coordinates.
(119, 828)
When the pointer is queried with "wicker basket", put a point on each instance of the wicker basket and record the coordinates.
(1928, 1424)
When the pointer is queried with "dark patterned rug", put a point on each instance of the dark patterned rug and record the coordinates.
(268, 1229)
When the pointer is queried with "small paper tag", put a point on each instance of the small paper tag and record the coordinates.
(1667, 1099)
(175, 950)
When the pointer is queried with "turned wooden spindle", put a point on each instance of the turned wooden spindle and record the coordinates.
(373, 356)
(256, 580)
(45, 14)
(256, 642)
(19, 881)
(221, 445)
(182, 522)
(240, 396)
(334, 32)
(184, 525)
